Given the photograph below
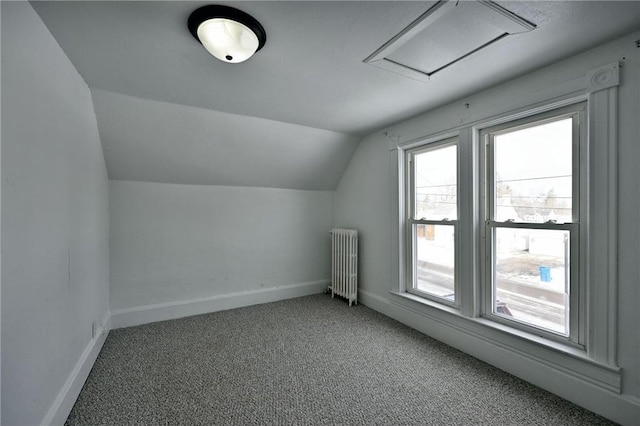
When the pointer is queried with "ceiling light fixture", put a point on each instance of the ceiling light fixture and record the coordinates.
(229, 34)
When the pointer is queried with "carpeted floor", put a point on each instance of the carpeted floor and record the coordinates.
(312, 360)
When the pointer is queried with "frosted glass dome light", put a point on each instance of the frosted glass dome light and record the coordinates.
(228, 40)
(227, 33)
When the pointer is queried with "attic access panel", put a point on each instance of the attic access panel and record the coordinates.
(445, 34)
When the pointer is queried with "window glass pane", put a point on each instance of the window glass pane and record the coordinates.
(533, 173)
(435, 254)
(435, 189)
(531, 280)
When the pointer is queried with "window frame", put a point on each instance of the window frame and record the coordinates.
(412, 223)
(576, 335)
(597, 362)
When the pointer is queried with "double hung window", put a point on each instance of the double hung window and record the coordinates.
(433, 212)
(530, 188)
(532, 214)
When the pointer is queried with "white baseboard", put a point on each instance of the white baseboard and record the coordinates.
(165, 311)
(61, 407)
(620, 408)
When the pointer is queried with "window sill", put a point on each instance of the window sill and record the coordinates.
(562, 357)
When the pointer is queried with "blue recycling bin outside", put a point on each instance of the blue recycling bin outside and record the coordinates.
(545, 274)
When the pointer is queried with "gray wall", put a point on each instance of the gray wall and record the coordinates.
(182, 242)
(150, 141)
(366, 199)
(55, 271)
(173, 243)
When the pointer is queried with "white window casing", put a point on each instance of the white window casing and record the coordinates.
(590, 353)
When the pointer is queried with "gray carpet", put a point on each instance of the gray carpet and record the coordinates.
(312, 360)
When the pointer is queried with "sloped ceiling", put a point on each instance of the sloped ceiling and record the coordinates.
(152, 141)
(291, 115)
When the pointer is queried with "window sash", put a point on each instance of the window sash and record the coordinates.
(577, 113)
(572, 337)
(413, 287)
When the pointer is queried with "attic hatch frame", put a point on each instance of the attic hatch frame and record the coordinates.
(505, 20)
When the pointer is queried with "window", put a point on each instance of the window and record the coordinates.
(526, 258)
(433, 212)
(532, 214)
(529, 223)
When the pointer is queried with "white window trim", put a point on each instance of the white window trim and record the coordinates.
(597, 364)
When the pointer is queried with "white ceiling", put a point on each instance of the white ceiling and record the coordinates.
(309, 76)
(151, 141)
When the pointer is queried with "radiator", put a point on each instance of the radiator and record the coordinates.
(344, 264)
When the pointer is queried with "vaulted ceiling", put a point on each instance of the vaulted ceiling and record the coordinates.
(292, 115)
